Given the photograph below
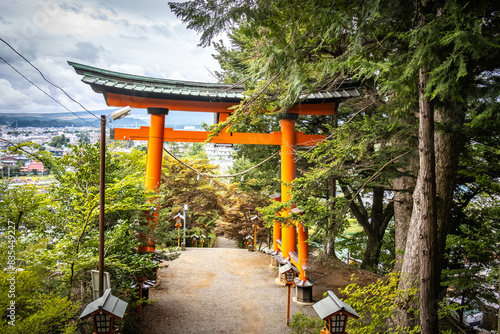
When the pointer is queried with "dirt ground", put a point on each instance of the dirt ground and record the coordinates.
(230, 290)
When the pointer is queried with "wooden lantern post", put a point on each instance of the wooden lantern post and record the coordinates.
(178, 223)
(288, 272)
(255, 220)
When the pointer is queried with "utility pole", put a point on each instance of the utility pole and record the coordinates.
(102, 179)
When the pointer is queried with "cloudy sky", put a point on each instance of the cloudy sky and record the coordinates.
(131, 36)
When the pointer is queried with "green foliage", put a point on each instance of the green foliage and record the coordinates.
(240, 207)
(23, 207)
(205, 197)
(471, 251)
(355, 243)
(302, 323)
(375, 304)
(37, 309)
(195, 151)
(57, 237)
(74, 252)
(59, 141)
(265, 178)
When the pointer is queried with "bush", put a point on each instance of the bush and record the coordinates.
(375, 304)
(305, 324)
(36, 309)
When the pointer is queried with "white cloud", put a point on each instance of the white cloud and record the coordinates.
(127, 68)
(136, 37)
(10, 97)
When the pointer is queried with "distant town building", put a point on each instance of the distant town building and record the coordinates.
(8, 161)
(220, 154)
(57, 152)
(33, 167)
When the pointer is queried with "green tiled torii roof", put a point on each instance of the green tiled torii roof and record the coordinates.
(103, 81)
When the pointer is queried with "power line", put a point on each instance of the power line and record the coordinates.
(44, 78)
(50, 96)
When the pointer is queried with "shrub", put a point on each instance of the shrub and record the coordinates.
(375, 304)
(305, 324)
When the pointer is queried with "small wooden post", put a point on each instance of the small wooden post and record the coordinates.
(288, 305)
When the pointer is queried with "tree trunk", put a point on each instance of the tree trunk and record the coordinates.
(18, 222)
(332, 195)
(403, 206)
(429, 281)
(332, 224)
(448, 145)
(374, 226)
(403, 316)
(375, 232)
(404, 186)
(372, 252)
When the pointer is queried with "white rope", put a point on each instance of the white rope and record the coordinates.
(221, 176)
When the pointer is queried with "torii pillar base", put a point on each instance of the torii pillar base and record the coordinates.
(274, 259)
(304, 292)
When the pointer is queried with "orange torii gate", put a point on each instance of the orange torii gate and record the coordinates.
(159, 96)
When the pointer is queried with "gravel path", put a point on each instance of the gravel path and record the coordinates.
(218, 290)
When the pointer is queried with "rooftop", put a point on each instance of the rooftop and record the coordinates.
(147, 89)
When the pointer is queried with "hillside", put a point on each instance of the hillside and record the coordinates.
(138, 117)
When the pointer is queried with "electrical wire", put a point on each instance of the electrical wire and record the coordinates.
(44, 78)
(51, 97)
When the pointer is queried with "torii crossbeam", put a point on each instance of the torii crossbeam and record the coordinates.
(161, 95)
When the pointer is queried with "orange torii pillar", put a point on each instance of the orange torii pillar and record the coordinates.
(154, 162)
(289, 232)
(276, 235)
(288, 144)
(302, 283)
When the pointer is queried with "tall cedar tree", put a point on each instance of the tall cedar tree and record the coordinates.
(425, 55)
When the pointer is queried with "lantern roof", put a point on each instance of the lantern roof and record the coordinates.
(178, 216)
(106, 303)
(288, 267)
(255, 218)
(332, 305)
(276, 197)
(297, 211)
